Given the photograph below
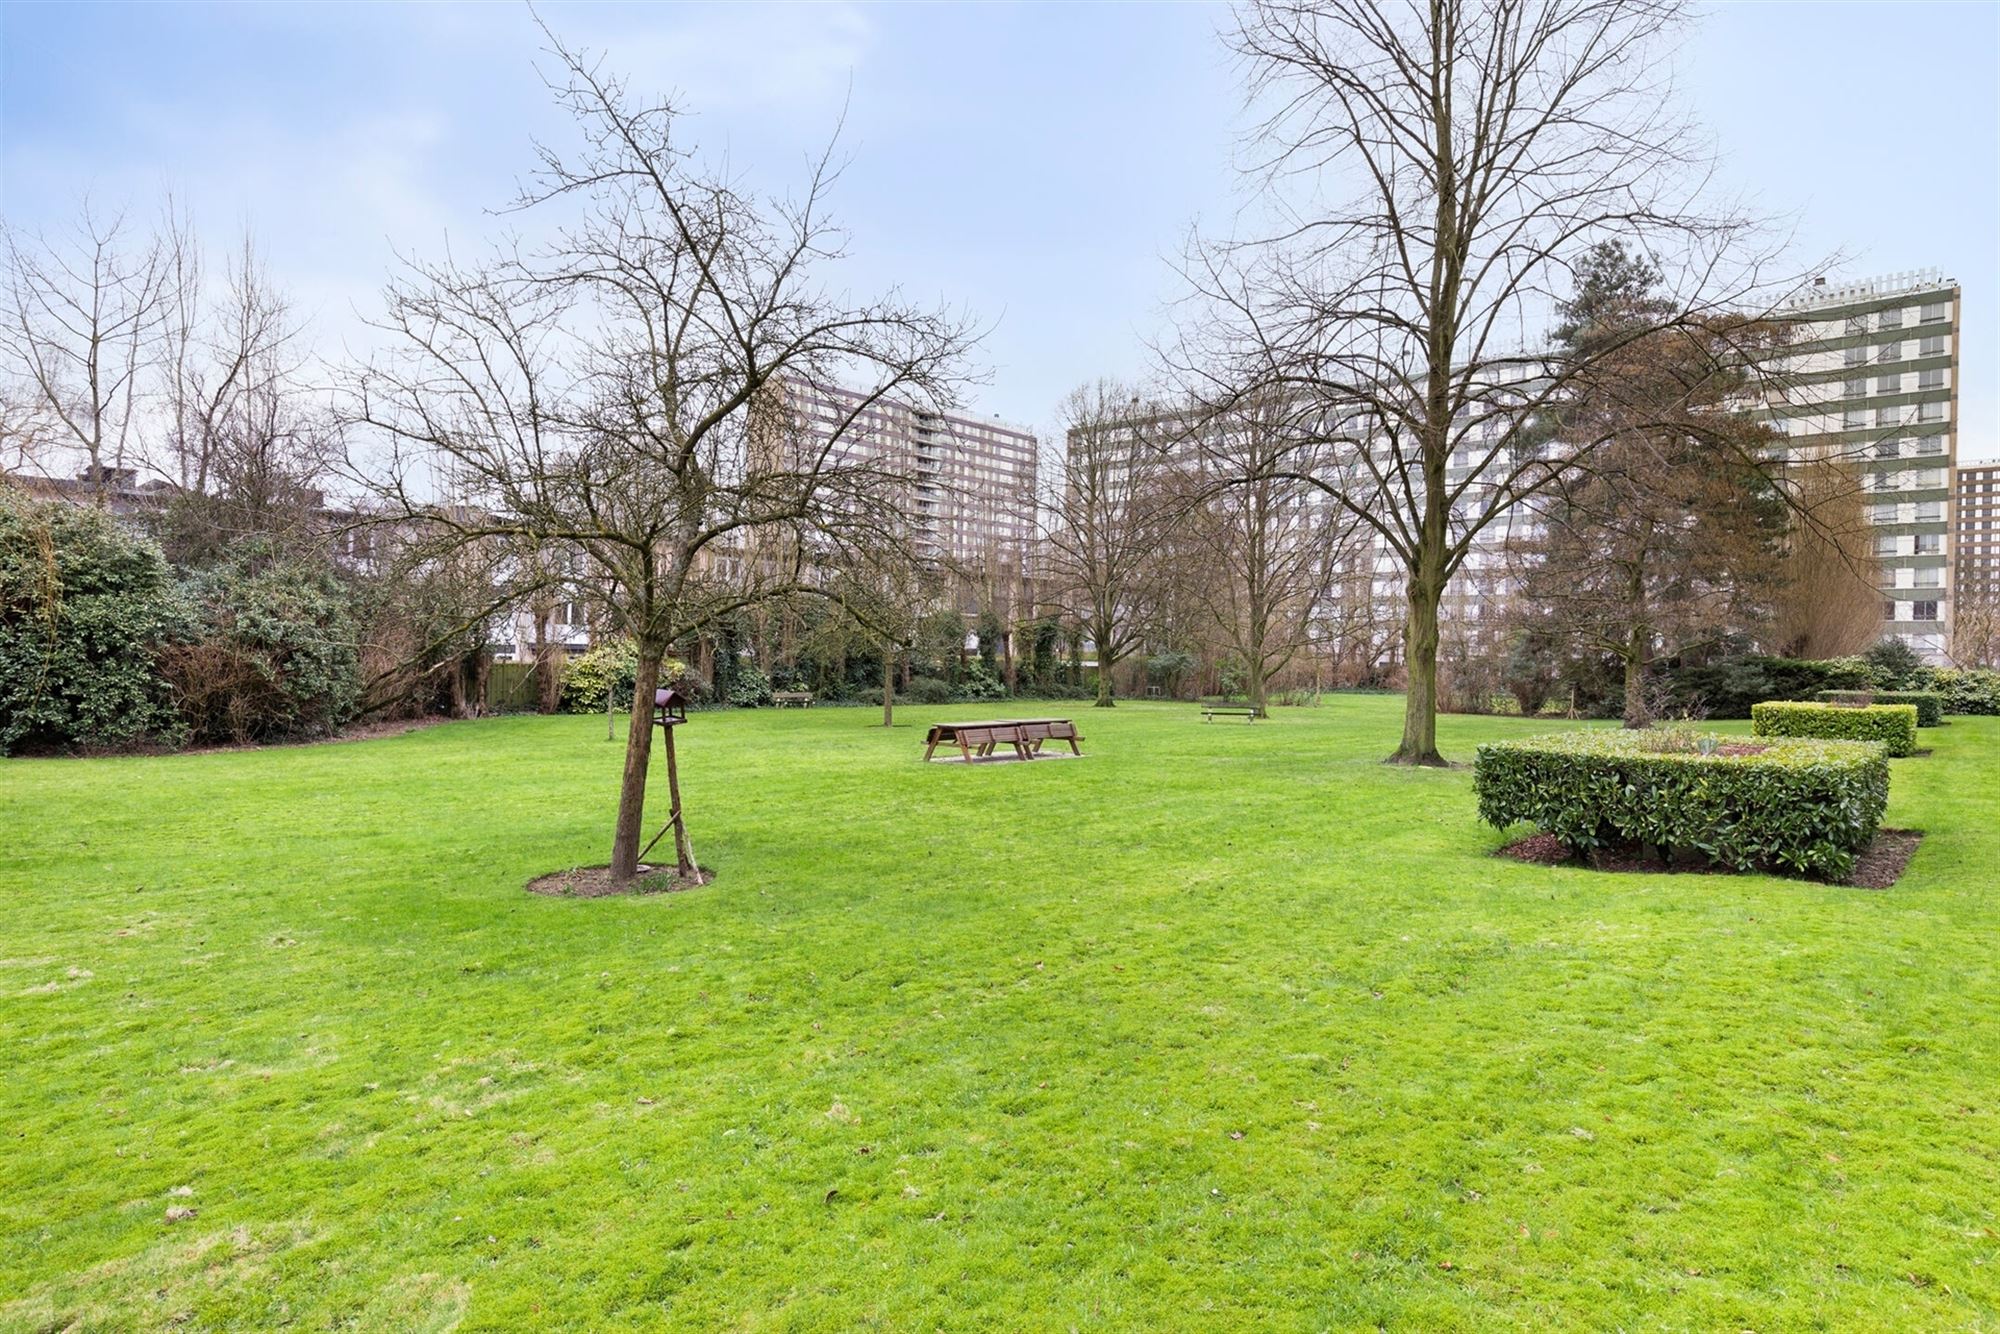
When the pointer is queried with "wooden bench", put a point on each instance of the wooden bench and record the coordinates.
(786, 699)
(1210, 712)
(1027, 736)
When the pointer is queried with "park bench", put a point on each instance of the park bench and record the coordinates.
(786, 699)
(1210, 712)
(979, 740)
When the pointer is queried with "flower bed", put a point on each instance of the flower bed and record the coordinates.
(1894, 725)
(1792, 804)
(1929, 704)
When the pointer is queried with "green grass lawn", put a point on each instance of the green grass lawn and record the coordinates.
(1219, 1027)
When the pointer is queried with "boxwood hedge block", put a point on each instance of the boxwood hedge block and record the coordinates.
(1894, 725)
(1930, 704)
(1800, 805)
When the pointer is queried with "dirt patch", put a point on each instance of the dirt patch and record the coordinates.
(1878, 866)
(595, 882)
(1882, 863)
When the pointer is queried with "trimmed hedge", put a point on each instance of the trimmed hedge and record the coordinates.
(1894, 725)
(1800, 805)
(1930, 704)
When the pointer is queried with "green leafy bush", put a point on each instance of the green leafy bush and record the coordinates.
(613, 667)
(1729, 687)
(1798, 805)
(979, 683)
(928, 690)
(749, 688)
(1965, 690)
(1892, 663)
(607, 669)
(1894, 725)
(274, 655)
(1929, 704)
(85, 607)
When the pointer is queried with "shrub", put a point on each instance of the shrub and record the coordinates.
(1965, 690)
(749, 688)
(613, 667)
(928, 690)
(1729, 687)
(1894, 725)
(1892, 663)
(980, 683)
(1929, 704)
(588, 677)
(1798, 805)
(84, 608)
(275, 654)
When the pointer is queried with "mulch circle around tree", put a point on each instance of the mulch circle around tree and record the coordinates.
(1878, 866)
(595, 882)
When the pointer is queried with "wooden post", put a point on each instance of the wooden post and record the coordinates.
(683, 850)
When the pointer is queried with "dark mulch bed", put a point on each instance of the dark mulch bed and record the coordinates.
(595, 882)
(1879, 866)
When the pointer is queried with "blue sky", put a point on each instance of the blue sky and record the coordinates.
(1033, 164)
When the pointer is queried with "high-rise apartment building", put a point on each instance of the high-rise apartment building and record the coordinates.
(1873, 380)
(1976, 570)
(969, 483)
(1976, 500)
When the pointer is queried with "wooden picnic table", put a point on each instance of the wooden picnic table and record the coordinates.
(979, 739)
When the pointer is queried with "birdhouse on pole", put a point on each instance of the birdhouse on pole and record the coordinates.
(669, 706)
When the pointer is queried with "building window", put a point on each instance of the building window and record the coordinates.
(1930, 444)
(1857, 388)
(1930, 544)
(1888, 417)
(1890, 319)
(1931, 379)
(1889, 352)
(1932, 346)
(1930, 577)
(1888, 449)
(1923, 611)
(1930, 412)
(1885, 545)
(1857, 356)
(1889, 610)
(1930, 511)
(1936, 312)
(1855, 418)
(1889, 384)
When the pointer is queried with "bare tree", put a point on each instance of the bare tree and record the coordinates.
(622, 392)
(245, 433)
(884, 592)
(1262, 549)
(1829, 600)
(1435, 167)
(81, 316)
(1106, 510)
(1975, 621)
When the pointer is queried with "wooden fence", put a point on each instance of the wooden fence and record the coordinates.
(511, 688)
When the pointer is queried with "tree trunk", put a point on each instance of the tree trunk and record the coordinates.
(1420, 650)
(630, 835)
(888, 686)
(1636, 713)
(1104, 700)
